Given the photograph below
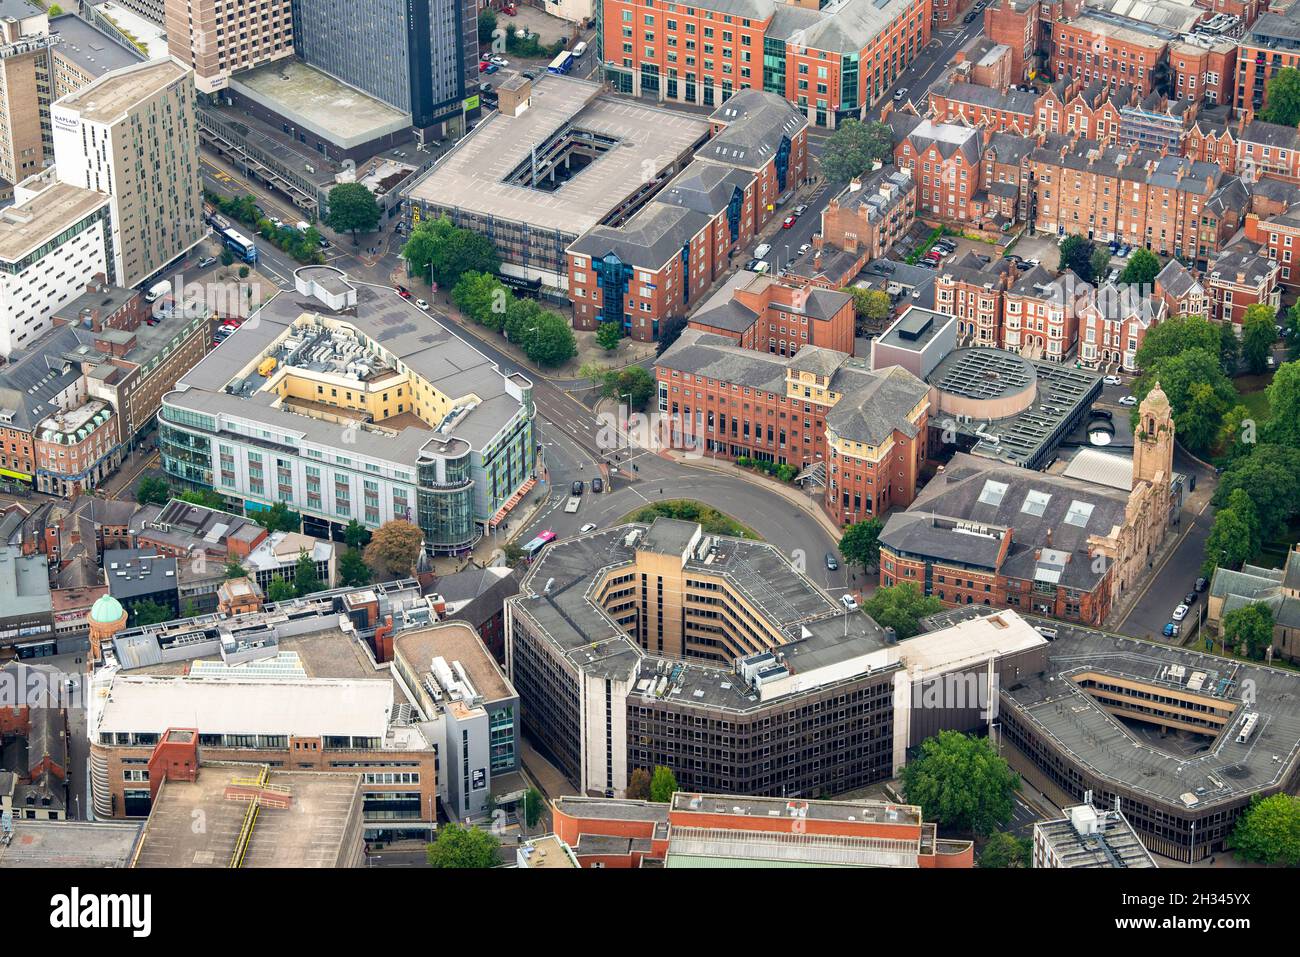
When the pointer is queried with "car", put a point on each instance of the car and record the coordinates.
(849, 602)
(1171, 630)
(787, 222)
(900, 93)
(1200, 585)
(970, 17)
(206, 261)
(589, 527)
(832, 563)
(577, 487)
(928, 264)
(1048, 633)
(1102, 414)
(1024, 266)
(1112, 380)
(151, 322)
(529, 75)
(760, 266)
(325, 244)
(483, 65)
(491, 68)
(277, 223)
(1128, 400)
(579, 48)
(597, 485)
(422, 304)
(800, 209)
(499, 61)
(752, 265)
(485, 87)
(1179, 613)
(1190, 598)
(762, 249)
(803, 250)
(403, 292)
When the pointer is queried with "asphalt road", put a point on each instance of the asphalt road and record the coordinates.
(929, 66)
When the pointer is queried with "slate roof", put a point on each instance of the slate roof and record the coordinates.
(1175, 279)
(1012, 101)
(756, 121)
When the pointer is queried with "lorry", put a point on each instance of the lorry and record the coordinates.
(572, 504)
(158, 290)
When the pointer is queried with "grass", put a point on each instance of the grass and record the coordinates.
(713, 521)
(1251, 389)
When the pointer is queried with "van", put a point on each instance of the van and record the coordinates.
(1048, 633)
(761, 266)
(762, 249)
(157, 291)
(580, 48)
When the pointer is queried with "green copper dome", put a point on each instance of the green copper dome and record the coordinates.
(106, 610)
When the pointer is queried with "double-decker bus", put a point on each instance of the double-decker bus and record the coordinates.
(239, 244)
(562, 63)
(537, 544)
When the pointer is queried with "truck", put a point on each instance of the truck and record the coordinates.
(267, 367)
(158, 290)
(573, 503)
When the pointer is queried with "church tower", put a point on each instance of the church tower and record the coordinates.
(1153, 440)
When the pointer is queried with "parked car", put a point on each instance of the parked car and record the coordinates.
(762, 249)
(832, 563)
(787, 222)
(1128, 400)
(598, 485)
(900, 93)
(491, 68)
(589, 527)
(403, 292)
(577, 487)
(1112, 380)
(1179, 613)
(206, 261)
(803, 250)
(1048, 633)
(499, 61)
(422, 304)
(849, 602)
(529, 75)
(485, 87)
(483, 65)
(1201, 584)
(1171, 630)
(970, 17)
(800, 209)
(1190, 598)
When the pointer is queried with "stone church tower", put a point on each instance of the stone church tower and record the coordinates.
(1153, 443)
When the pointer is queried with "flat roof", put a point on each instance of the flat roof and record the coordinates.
(24, 583)
(455, 641)
(71, 844)
(318, 102)
(109, 97)
(967, 642)
(91, 50)
(861, 812)
(25, 228)
(309, 833)
(1113, 844)
(472, 176)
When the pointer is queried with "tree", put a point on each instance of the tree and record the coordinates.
(305, 580)
(608, 335)
(669, 331)
(533, 804)
(1282, 94)
(152, 491)
(448, 252)
(1005, 850)
(634, 382)
(1076, 254)
(662, 785)
(234, 569)
(549, 341)
(901, 607)
(1100, 263)
(487, 24)
(1270, 477)
(279, 518)
(353, 570)
(1233, 539)
(513, 554)
(352, 209)
(483, 298)
(280, 590)
(961, 782)
(394, 548)
(463, 848)
(1258, 333)
(872, 308)
(852, 149)
(638, 785)
(205, 497)
(1268, 832)
(55, 11)
(149, 612)
(860, 543)
(1142, 268)
(1173, 336)
(1229, 347)
(1199, 394)
(1283, 425)
(227, 257)
(1251, 626)
(355, 534)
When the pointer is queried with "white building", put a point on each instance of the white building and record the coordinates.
(51, 244)
(1089, 837)
(132, 134)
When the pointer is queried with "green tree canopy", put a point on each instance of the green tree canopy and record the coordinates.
(353, 570)
(961, 782)
(901, 607)
(279, 518)
(487, 24)
(1005, 850)
(150, 612)
(280, 590)
(448, 252)
(1076, 254)
(1229, 346)
(352, 209)
(234, 569)
(871, 308)
(463, 848)
(1258, 333)
(204, 496)
(305, 580)
(355, 535)
(1199, 394)
(533, 805)
(1269, 830)
(544, 336)
(1141, 269)
(1251, 626)
(860, 543)
(608, 335)
(1283, 425)
(634, 382)
(1234, 538)
(1270, 476)
(1173, 336)
(662, 785)
(1282, 94)
(483, 298)
(152, 491)
(852, 149)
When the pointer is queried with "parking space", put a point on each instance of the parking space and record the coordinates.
(1043, 248)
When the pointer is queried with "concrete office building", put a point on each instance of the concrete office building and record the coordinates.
(26, 611)
(216, 38)
(157, 210)
(1089, 837)
(347, 402)
(420, 56)
(52, 241)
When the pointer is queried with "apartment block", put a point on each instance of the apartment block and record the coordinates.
(944, 161)
(1113, 321)
(25, 68)
(1270, 44)
(216, 38)
(98, 134)
(758, 312)
(1243, 276)
(862, 223)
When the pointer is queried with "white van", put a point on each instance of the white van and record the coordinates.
(580, 48)
(762, 266)
(762, 249)
(157, 291)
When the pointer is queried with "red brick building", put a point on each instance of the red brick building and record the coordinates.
(944, 160)
(1241, 277)
(757, 312)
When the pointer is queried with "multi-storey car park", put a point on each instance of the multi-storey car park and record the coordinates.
(347, 402)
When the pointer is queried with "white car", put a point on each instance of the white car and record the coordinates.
(589, 527)
(1112, 380)
(849, 602)
(1128, 400)
(500, 61)
(803, 250)
(276, 223)
(422, 304)
(900, 93)
(1179, 613)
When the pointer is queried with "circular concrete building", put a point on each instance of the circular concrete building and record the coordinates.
(986, 384)
(107, 617)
